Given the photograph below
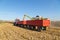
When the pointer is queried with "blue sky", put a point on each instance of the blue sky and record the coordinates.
(11, 9)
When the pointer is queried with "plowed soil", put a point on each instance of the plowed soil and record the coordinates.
(10, 32)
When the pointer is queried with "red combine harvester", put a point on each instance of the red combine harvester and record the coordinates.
(38, 23)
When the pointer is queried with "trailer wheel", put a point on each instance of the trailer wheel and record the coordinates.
(39, 29)
(15, 24)
(43, 28)
(22, 26)
(29, 26)
(33, 27)
(19, 25)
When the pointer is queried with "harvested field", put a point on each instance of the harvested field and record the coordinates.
(10, 32)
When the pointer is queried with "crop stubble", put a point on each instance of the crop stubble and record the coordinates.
(10, 32)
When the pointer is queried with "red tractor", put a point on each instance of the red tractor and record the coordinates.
(38, 23)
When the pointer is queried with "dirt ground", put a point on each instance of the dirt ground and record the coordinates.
(10, 32)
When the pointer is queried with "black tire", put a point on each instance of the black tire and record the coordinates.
(29, 27)
(33, 27)
(22, 26)
(15, 24)
(19, 25)
(39, 29)
(44, 28)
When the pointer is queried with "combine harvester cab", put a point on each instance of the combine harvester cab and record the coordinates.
(33, 24)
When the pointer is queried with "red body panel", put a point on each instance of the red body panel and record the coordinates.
(46, 22)
(35, 22)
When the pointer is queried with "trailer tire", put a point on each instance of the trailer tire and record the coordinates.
(15, 24)
(33, 27)
(39, 29)
(22, 25)
(44, 28)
